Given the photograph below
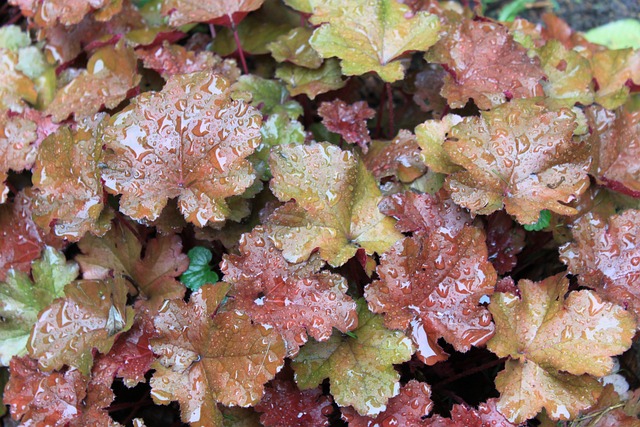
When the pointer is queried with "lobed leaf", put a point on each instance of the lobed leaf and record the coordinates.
(359, 366)
(188, 141)
(284, 405)
(335, 207)
(202, 361)
(349, 121)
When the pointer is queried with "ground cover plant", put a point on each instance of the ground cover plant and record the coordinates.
(315, 212)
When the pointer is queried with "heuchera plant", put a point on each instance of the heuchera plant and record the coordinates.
(313, 213)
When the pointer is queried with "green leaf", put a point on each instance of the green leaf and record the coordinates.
(21, 299)
(369, 35)
(359, 366)
(543, 221)
(620, 34)
(199, 272)
(270, 96)
(301, 80)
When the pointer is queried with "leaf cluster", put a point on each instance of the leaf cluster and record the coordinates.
(313, 213)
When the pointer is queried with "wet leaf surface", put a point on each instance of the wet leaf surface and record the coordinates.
(556, 346)
(198, 374)
(284, 405)
(349, 121)
(166, 143)
(335, 206)
(295, 299)
(359, 366)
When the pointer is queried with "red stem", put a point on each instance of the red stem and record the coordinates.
(243, 61)
(389, 91)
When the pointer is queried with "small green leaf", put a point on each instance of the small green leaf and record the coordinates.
(543, 221)
(621, 34)
(199, 272)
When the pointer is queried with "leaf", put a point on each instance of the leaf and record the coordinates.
(348, 120)
(311, 82)
(620, 34)
(614, 71)
(543, 222)
(519, 155)
(199, 272)
(555, 345)
(119, 254)
(130, 358)
(18, 147)
(614, 139)
(67, 194)
(425, 212)
(171, 59)
(284, 405)
(431, 136)
(399, 157)
(194, 150)
(15, 87)
(294, 47)
(111, 73)
(91, 315)
(605, 254)
(39, 398)
(408, 408)
(487, 415)
(335, 205)
(359, 368)
(432, 283)
(370, 35)
(255, 33)
(46, 13)
(270, 96)
(505, 240)
(295, 299)
(185, 11)
(22, 299)
(485, 64)
(198, 374)
(22, 241)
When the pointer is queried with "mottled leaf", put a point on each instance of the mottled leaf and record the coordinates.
(18, 146)
(22, 299)
(487, 415)
(198, 373)
(311, 82)
(111, 73)
(605, 254)
(432, 284)
(39, 398)
(335, 206)
(294, 47)
(229, 12)
(555, 345)
(615, 147)
(91, 315)
(485, 63)
(348, 120)
(46, 13)
(409, 408)
(188, 141)
(284, 405)
(15, 87)
(199, 272)
(171, 59)
(399, 157)
(359, 366)
(295, 299)
(519, 155)
(67, 194)
(119, 254)
(370, 35)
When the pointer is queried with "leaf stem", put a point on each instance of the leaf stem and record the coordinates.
(390, 111)
(471, 371)
(243, 61)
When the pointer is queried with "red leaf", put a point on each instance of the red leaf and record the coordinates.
(486, 415)
(284, 405)
(505, 240)
(406, 409)
(296, 299)
(350, 121)
(43, 399)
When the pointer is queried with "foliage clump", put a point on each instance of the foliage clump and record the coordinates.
(315, 212)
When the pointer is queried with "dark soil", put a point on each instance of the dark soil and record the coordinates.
(581, 15)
